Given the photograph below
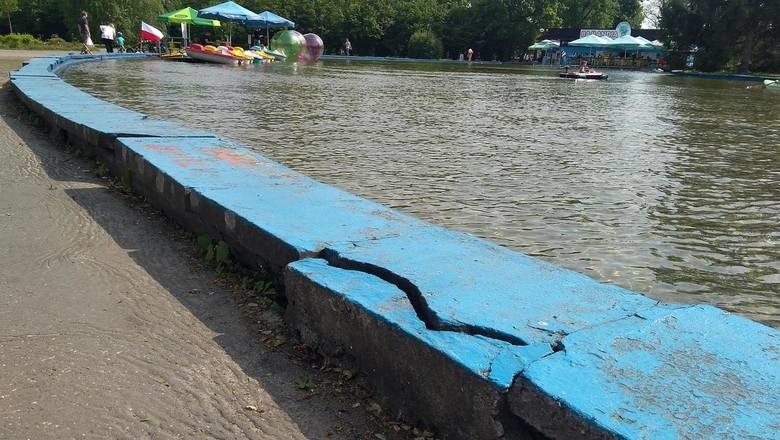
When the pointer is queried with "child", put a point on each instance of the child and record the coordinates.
(120, 42)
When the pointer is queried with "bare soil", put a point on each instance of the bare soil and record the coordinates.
(111, 325)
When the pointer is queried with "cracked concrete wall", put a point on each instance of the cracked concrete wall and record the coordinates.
(477, 339)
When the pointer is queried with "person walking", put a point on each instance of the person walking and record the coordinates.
(108, 34)
(347, 48)
(86, 37)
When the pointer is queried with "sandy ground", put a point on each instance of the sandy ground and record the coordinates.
(111, 327)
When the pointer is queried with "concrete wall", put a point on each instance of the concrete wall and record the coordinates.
(456, 332)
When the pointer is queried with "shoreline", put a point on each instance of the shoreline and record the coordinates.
(111, 326)
(512, 336)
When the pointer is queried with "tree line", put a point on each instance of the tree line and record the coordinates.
(741, 35)
(495, 29)
(723, 32)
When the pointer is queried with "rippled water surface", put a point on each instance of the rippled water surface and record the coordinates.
(665, 185)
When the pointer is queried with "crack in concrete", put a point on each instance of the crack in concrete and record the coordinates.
(424, 312)
(322, 247)
(558, 345)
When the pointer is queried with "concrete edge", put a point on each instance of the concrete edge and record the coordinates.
(490, 415)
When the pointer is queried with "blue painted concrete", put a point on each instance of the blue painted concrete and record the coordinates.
(692, 372)
(521, 297)
(496, 361)
(629, 366)
(89, 114)
(468, 281)
(306, 214)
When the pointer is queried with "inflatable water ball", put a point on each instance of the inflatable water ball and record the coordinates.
(314, 48)
(291, 43)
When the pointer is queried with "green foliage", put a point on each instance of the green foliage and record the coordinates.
(27, 41)
(631, 11)
(217, 254)
(6, 7)
(496, 29)
(222, 256)
(425, 44)
(735, 33)
(101, 170)
(261, 287)
(304, 383)
(74, 151)
(203, 243)
(17, 41)
(126, 179)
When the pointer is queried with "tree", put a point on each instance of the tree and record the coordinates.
(6, 7)
(724, 33)
(590, 13)
(631, 11)
(425, 44)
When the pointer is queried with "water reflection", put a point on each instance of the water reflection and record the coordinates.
(660, 184)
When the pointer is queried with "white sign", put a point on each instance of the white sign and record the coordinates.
(611, 33)
(623, 28)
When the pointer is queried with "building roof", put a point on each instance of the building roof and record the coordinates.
(564, 35)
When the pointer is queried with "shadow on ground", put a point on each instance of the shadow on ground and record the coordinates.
(254, 340)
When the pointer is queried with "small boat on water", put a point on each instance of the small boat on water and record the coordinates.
(583, 75)
(772, 84)
(213, 54)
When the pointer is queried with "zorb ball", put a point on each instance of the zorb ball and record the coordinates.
(290, 43)
(314, 48)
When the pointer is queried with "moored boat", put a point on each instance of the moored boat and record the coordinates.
(212, 54)
(772, 84)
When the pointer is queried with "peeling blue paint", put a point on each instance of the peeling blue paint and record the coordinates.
(628, 366)
(692, 372)
(495, 361)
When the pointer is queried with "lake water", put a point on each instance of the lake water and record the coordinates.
(665, 185)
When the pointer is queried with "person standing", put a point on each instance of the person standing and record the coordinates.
(86, 37)
(347, 48)
(469, 54)
(108, 34)
(120, 42)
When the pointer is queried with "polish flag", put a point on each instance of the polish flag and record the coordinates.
(150, 33)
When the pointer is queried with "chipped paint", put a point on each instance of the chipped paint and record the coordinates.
(606, 361)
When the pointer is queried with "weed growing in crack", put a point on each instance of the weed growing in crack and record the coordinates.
(125, 180)
(304, 383)
(101, 170)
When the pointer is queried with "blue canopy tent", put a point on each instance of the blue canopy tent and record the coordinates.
(269, 20)
(590, 41)
(230, 12)
(630, 44)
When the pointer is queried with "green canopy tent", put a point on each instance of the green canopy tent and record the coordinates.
(544, 45)
(186, 17)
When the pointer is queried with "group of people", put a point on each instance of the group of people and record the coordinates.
(108, 35)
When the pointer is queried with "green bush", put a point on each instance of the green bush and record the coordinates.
(425, 44)
(27, 41)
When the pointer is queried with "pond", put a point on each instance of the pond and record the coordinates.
(665, 185)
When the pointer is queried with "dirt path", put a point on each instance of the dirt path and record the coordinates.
(111, 328)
